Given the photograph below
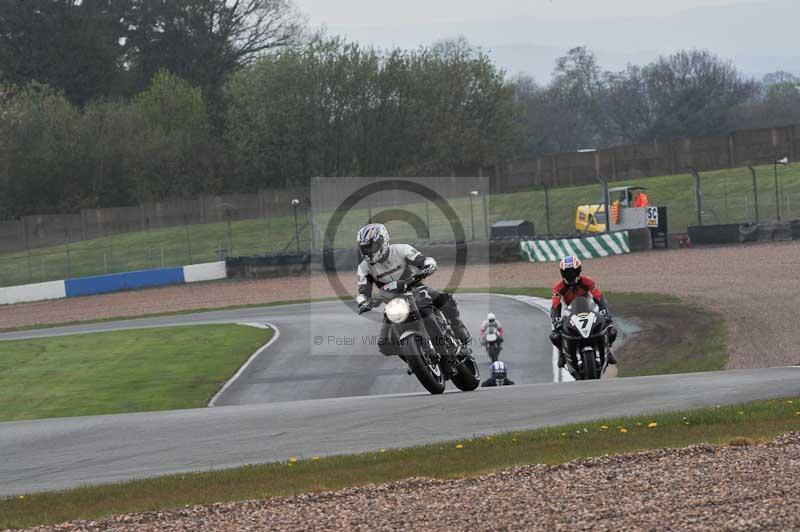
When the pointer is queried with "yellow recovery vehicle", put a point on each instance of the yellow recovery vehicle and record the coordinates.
(592, 218)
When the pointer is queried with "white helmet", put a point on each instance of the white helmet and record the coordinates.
(499, 371)
(373, 243)
(490, 317)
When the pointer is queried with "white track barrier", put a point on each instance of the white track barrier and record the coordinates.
(32, 292)
(210, 271)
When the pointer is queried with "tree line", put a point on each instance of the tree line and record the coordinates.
(686, 94)
(116, 102)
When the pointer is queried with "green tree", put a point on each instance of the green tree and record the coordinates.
(178, 149)
(72, 45)
(41, 169)
(205, 41)
(337, 108)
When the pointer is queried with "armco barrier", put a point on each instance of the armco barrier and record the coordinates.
(32, 292)
(118, 282)
(295, 264)
(585, 248)
(714, 234)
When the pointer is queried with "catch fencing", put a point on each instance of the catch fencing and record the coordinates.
(545, 191)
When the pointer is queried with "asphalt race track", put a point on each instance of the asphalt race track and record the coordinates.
(311, 400)
(64, 453)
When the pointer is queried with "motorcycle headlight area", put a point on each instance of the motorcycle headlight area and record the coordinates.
(397, 310)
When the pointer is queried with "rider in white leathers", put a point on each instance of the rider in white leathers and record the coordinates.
(384, 263)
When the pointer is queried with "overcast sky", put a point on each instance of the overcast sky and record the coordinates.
(365, 13)
(526, 36)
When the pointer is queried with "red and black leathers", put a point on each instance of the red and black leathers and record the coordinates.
(564, 293)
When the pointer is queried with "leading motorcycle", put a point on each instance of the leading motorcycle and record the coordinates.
(429, 346)
(585, 339)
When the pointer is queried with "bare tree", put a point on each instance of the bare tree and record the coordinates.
(694, 92)
(252, 27)
(204, 41)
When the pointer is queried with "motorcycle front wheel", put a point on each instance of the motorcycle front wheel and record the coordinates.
(468, 377)
(428, 372)
(590, 370)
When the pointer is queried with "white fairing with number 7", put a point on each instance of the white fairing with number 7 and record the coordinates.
(584, 323)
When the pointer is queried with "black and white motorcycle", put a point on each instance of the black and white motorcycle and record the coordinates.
(429, 346)
(585, 339)
(492, 343)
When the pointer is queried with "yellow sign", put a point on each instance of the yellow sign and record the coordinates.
(652, 217)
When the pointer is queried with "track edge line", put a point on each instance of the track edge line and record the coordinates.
(275, 336)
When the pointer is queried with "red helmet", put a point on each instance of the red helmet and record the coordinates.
(570, 269)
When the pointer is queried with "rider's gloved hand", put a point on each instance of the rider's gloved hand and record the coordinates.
(612, 333)
(558, 325)
(430, 266)
(363, 307)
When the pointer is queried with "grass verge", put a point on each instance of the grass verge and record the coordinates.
(121, 371)
(735, 425)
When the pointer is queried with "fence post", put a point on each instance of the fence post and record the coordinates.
(69, 261)
(547, 207)
(427, 218)
(486, 213)
(189, 244)
(604, 184)
(755, 191)
(310, 224)
(777, 195)
(698, 196)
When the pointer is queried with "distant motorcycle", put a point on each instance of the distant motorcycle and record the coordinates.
(585, 340)
(432, 356)
(492, 342)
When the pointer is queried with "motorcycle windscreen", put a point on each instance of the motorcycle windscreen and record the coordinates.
(582, 305)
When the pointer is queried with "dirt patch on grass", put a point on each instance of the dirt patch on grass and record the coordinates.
(673, 337)
(748, 285)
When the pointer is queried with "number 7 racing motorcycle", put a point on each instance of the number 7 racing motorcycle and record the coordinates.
(585, 340)
(429, 346)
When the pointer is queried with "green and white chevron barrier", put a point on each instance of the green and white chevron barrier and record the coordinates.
(584, 248)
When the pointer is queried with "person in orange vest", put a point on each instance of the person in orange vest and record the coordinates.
(641, 200)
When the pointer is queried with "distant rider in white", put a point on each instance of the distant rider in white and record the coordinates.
(384, 263)
(491, 324)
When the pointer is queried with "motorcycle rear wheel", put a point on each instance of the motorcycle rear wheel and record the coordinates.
(428, 374)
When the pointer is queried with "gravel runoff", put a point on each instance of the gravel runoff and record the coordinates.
(703, 487)
(753, 286)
